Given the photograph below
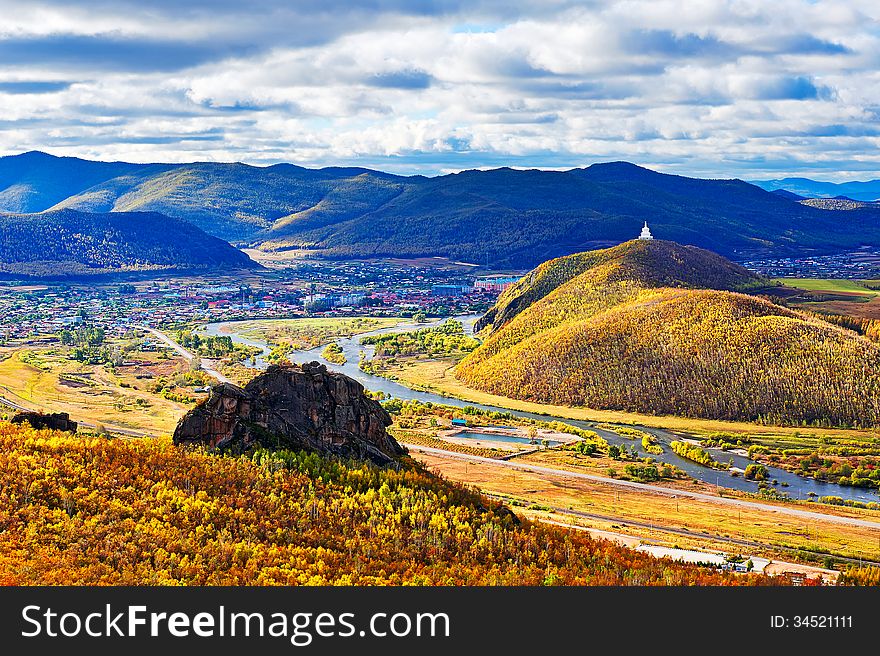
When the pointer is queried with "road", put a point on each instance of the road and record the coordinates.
(683, 532)
(189, 355)
(558, 473)
(651, 489)
(129, 432)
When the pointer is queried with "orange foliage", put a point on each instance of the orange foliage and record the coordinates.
(133, 512)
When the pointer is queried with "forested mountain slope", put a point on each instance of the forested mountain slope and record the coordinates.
(514, 218)
(68, 242)
(34, 181)
(239, 202)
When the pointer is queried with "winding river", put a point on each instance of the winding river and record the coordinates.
(795, 486)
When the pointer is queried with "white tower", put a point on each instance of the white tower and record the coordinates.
(646, 232)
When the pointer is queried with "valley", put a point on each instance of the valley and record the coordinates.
(865, 547)
(163, 352)
(356, 326)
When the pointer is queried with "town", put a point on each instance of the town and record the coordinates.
(861, 264)
(36, 312)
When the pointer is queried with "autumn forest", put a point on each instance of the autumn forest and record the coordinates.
(97, 511)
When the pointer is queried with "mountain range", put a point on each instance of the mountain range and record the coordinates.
(503, 217)
(656, 327)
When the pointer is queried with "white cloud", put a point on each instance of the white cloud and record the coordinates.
(738, 88)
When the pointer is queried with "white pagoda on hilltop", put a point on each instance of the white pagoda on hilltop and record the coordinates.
(646, 233)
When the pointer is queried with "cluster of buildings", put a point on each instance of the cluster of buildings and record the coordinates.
(29, 312)
(495, 284)
(862, 264)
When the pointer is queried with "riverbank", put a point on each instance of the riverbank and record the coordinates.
(443, 388)
(436, 375)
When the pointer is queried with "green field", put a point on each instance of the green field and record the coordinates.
(831, 285)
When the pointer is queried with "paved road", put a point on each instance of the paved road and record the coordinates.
(12, 404)
(651, 489)
(206, 364)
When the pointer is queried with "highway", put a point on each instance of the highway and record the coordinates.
(651, 489)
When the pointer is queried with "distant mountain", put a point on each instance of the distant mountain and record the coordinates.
(841, 203)
(864, 191)
(784, 193)
(66, 243)
(242, 203)
(503, 217)
(233, 201)
(659, 328)
(518, 218)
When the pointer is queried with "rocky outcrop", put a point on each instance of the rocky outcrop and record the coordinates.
(293, 407)
(57, 421)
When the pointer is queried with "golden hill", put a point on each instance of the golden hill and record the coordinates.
(654, 327)
(95, 511)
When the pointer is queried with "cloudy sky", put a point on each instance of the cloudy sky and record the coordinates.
(743, 88)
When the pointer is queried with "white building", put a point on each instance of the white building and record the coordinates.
(646, 233)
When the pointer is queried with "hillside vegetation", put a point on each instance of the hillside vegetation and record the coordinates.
(654, 327)
(69, 242)
(34, 181)
(501, 217)
(77, 510)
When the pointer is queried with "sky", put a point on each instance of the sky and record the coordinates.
(742, 88)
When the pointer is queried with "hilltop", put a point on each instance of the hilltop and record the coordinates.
(501, 217)
(35, 181)
(70, 243)
(77, 510)
(656, 263)
(655, 327)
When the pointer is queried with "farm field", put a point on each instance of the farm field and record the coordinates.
(853, 298)
(832, 285)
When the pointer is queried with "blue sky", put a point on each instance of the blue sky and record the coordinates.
(744, 88)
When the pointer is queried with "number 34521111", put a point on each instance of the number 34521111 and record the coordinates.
(812, 622)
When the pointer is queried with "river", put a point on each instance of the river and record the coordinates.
(797, 486)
